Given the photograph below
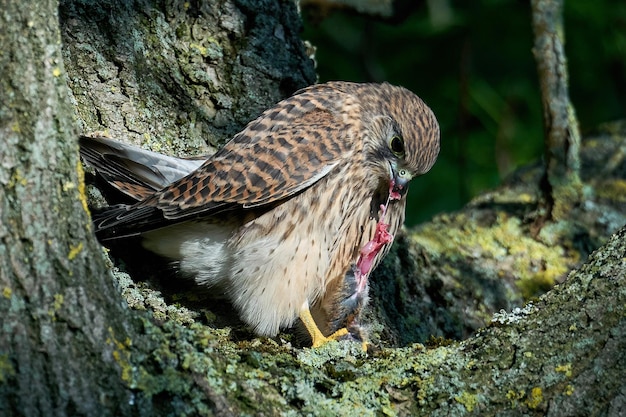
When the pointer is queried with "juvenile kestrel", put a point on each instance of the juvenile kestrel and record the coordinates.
(292, 214)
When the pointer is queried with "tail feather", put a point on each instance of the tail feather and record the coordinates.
(137, 173)
(120, 221)
(134, 171)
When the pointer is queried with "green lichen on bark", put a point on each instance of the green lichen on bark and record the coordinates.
(517, 365)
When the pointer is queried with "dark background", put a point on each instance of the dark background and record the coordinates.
(471, 61)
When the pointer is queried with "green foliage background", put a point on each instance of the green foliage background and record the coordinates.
(472, 62)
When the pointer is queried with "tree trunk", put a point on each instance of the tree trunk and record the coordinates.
(62, 321)
(181, 78)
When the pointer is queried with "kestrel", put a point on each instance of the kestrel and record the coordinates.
(292, 214)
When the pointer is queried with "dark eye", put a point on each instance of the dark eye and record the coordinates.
(396, 144)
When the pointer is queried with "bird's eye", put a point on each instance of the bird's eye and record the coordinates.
(396, 144)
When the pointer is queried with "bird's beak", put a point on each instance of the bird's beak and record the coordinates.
(399, 182)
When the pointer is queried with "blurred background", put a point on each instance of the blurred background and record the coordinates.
(471, 62)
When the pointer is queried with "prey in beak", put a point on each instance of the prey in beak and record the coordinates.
(399, 182)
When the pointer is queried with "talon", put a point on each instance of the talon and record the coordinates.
(320, 341)
(316, 335)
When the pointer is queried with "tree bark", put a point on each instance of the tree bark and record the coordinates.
(562, 185)
(62, 320)
(181, 78)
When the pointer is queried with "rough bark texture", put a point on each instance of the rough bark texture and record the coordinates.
(62, 320)
(563, 189)
(182, 77)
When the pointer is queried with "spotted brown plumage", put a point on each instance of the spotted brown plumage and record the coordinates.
(277, 218)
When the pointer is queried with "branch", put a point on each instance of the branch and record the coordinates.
(562, 136)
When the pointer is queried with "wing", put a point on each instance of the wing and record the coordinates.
(136, 172)
(286, 150)
(255, 170)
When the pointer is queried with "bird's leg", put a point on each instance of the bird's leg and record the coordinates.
(354, 295)
(316, 335)
(349, 306)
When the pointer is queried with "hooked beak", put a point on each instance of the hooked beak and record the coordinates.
(399, 182)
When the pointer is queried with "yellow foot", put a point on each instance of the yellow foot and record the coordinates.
(322, 340)
(316, 335)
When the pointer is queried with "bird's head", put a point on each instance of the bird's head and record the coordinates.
(403, 135)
